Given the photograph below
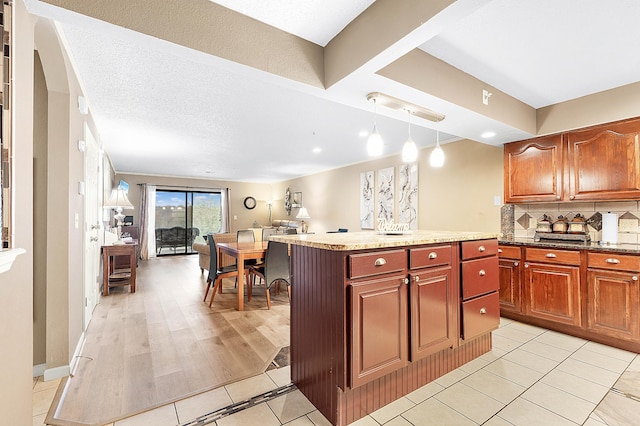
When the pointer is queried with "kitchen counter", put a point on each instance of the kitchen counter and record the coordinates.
(592, 246)
(374, 317)
(341, 241)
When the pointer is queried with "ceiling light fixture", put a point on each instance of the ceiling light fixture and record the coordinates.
(409, 149)
(374, 143)
(436, 159)
(400, 105)
(488, 134)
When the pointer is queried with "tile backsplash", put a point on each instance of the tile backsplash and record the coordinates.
(520, 220)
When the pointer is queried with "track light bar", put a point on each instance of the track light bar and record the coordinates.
(399, 104)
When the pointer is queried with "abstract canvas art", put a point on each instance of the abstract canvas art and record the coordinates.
(385, 194)
(408, 195)
(366, 200)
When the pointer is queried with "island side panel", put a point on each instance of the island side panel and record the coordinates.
(318, 312)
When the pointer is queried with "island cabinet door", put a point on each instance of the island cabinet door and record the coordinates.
(552, 292)
(434, 313)
(613, 304)
(379, 328)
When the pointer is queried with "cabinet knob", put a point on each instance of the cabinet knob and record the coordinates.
(416, 278)
(482, 273)
(433, 255)
(613, 261)
(526, 265)
(499, 250)
(550, 255)
(380, 261)
(405, 281)
(572, 197)
(516, 263)
(481, 249)
(635, 278)
(557, 197)
(483, 311)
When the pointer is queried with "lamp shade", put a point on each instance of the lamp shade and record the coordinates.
(118, 199)
(436, 159)
(409, 151)
(303, 214)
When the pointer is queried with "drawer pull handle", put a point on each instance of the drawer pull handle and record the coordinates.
(481, 249)
(613, 261)
(433, 255)
(380, 261)
(483, 311)
(482, 273)
(550, 255)
(634, 278)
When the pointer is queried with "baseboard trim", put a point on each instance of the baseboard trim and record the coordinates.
(78, 352)
(56, 372)
(38, 370)
(65, 370)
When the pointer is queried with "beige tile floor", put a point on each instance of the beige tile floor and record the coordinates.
(532, 376)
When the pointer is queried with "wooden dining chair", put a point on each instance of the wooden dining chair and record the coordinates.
(216, 274)
(276, 268)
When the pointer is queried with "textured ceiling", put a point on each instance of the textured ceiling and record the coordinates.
(168, 110)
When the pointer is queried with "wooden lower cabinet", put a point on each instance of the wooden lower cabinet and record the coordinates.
(613, 304)
(552, 292)
(379, 329)
(433, 312)
(509, 285)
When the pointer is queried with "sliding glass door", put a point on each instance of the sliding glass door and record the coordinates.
(182, 217)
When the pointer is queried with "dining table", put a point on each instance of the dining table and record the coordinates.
(242, 252)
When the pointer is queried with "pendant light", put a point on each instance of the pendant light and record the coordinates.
(374, 143)
(436, 159)
(409, 149)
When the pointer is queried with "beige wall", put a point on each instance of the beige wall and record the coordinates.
(16, 285)
(458, 196)
(238, 191)
(40, 214)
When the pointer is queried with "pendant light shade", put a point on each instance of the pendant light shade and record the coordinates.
(374, 143)
(436, 159)
(409, 149)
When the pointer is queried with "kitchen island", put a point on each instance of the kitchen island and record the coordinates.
(375, 317)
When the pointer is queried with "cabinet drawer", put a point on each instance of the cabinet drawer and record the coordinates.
(429, 256)
(376, 263)
(509, 252)
(480, 315)
(479, 248)
(480, 276)
(613, 261)
(550, 255)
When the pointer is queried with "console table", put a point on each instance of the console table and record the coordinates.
(110, 277)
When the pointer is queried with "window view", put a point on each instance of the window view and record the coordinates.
(183, 216)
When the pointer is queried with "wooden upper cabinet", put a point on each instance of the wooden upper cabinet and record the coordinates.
(533, 170)
(595, 163)
(604, 162)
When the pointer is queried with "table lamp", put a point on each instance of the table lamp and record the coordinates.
(303, 214)
(118, 201)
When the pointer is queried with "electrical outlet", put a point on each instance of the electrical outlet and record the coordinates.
(485, 96)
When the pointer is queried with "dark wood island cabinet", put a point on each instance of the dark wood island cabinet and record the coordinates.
(375, 317)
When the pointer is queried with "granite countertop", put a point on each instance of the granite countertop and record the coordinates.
(340, 241)
(594, 245)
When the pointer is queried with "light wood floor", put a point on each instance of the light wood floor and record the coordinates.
(163, 343)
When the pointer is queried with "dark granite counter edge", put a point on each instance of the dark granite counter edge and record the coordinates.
(593, 246)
